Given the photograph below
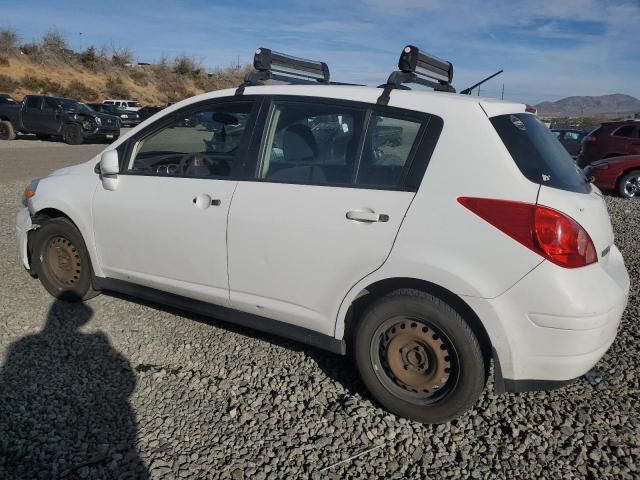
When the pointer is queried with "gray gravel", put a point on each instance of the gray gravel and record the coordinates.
(122, 389)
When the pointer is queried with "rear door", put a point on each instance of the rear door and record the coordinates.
(331, 186)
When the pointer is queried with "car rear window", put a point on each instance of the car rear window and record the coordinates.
(538, 153)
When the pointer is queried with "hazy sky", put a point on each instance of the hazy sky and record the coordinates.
(548, 49)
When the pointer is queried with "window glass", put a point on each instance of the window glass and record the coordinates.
(311, 143)
(387, 149)
(538, 154)
(33, 102)
(626, 131)
(572, 136)
(50, 104)
(202, 144)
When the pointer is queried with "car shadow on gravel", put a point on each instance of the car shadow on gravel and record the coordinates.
(339, 368)
(64, 404)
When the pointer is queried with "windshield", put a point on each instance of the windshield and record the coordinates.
(75, 106)
(538, 153)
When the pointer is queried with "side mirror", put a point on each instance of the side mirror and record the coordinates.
(109, 169)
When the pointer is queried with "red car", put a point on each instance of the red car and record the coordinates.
(621, 174)
(611, 139)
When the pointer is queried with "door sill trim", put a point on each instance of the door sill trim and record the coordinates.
(237, 317)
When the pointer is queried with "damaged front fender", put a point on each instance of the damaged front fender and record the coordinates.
(24, 225)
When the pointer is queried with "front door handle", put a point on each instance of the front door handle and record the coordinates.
(367, 216)
(205, 201)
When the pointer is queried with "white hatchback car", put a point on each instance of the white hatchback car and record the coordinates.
(425, 233)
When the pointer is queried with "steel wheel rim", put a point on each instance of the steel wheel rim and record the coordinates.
(414, 359)
(63, 261)
(632, 186)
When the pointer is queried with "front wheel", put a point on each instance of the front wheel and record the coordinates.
(62, 262)
(629, 185)
(418, 357)
(72, 134)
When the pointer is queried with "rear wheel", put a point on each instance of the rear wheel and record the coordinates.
(629, 185)
(418, 357)
(62, 261)
(7, 132)
(72, 134)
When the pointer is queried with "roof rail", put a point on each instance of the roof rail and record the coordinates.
(296, 70)
(418, 67)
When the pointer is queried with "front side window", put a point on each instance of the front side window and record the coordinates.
(50, 104)
(204, 143)
(387, 149)
(33, 102)
(311, 143)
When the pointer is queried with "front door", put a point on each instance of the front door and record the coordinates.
(164, 225)
(329, 195)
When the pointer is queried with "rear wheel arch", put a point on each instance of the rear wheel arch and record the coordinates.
(383, 287)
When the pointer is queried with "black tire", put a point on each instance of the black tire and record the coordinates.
(72, 134)
(68, 277)
(446, 343)
(7, 132)
(629, 185)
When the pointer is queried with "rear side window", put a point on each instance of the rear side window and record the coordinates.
(538, 153)
(626, 131)
(387, 149)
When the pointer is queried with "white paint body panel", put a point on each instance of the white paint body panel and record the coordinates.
(294, 257)
(293, 253)
(149, 231)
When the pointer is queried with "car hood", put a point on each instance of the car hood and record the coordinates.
(86, 168)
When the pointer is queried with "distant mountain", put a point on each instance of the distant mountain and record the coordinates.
(586, 106)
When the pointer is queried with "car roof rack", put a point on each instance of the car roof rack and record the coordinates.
(270, 65)
(418, 67)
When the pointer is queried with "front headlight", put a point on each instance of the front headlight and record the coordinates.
(124, 116)
(30, 191)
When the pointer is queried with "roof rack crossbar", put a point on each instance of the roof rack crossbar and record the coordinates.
(270, 65)
(421, 68)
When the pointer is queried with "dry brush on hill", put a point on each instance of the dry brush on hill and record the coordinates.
(49, 66)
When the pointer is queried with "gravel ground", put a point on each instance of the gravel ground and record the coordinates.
(123, 389)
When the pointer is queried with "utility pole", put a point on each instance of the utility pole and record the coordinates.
(502, 92)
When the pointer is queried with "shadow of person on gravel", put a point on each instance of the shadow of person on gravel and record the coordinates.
(64, 404)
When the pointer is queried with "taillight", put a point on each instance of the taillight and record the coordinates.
(530, 109)
(549, 233)
(590, 138)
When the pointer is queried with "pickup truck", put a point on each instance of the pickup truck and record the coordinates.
(47, 117)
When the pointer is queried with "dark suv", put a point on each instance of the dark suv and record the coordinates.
(611, 139)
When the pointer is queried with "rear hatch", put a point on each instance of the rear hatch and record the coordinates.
(563, 187)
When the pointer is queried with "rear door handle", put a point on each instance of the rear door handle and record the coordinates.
(367, 216)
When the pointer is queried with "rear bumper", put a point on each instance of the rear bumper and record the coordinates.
(555, 324)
